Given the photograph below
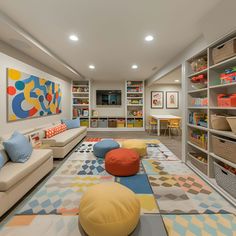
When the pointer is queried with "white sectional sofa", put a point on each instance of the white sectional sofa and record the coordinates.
(16, 179)
(61, 144)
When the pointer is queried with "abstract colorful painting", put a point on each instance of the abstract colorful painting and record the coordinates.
(30, 96)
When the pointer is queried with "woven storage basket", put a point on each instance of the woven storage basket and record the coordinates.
(224, 51)
(225, 179)
(219, 123)
(232, 122)
(224, 148)
(198, 164)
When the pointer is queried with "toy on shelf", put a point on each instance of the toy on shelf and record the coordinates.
(94, 113)
(135, 101)
(229, 168)
(199, 64)
(134, 86)
(78, 112)
(80, 89)
(199, 102)
(229, 76)
(198, 138)
(136, 113)
(199, 82)
(226, 100)
(80, 101)
(198, 118)
(199, 156)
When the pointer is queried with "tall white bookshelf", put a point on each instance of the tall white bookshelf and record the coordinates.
(81, 101)
(134, 107)
(212, 88)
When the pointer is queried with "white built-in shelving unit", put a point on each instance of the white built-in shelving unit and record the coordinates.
(210, 91)
(81, 101)
(134, 108)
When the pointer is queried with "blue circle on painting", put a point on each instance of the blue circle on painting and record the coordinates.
(41, 113)
(20, 85)
(41, 98)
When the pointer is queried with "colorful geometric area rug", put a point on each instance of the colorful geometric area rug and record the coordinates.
(174, 200)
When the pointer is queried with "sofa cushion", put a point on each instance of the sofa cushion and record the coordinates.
(11, 173)
(62, 139)
(18, 147)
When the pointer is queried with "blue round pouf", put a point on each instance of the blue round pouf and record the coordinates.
(101, 148)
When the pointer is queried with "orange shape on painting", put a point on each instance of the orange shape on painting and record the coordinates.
(32, 111)
(11, 90)
(49, 97)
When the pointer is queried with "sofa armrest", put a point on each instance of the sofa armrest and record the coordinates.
(50, 142)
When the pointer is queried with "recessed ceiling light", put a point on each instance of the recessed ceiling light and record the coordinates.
(134, 67)
(73, 37)
(176, 81)
(149, 38)
(92, 67)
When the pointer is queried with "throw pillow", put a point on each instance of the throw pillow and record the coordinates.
(18, 148)
(49, 133)
(71, 124)
(1, 161)
(64, 127)
(59, 129)
(3, 157)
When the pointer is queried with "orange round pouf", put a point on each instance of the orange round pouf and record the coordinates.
(122, 162)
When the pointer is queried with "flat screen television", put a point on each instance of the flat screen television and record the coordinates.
(108, 97)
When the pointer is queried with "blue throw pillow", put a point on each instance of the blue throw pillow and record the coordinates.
(2, 161)
(18, 148)
(71, 124)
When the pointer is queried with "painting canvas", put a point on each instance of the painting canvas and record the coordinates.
(30, 96)
(172, 100)
(156, 99)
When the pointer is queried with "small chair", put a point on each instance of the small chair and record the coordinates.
(152, 124)
(173, 124)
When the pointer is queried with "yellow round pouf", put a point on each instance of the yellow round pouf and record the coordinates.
(109, 209)
(138, 145)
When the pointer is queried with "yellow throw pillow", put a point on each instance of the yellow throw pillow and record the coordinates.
(109, 209)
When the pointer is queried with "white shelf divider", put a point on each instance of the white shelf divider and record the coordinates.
(198, 127)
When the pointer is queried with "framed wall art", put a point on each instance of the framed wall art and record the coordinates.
(30, 96)
(172, 99)
(157, 99)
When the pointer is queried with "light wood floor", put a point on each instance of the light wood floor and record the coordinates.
(173, 143)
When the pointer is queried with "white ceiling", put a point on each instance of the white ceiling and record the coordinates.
(171, 77)
(111, 33)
